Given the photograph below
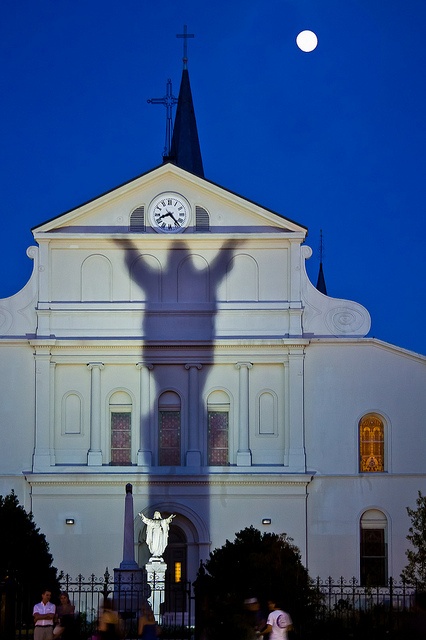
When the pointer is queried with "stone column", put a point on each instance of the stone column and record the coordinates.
(94, 457)
(52, 414)
(243, 453)
(193, 455)
(145, 445)
(296, 421)
(43, 388)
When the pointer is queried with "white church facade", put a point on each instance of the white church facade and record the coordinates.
(169, 337)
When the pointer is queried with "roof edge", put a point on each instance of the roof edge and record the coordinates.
(161, 169)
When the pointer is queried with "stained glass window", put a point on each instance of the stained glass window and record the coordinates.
(371, 444)
(169, 438)
(218, 438)
(121, 450)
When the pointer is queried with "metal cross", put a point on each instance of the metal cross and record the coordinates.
(169, 101)
(185, 35)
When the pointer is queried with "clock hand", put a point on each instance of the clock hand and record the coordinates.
(170, 214)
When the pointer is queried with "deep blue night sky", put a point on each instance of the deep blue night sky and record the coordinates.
(334, 139)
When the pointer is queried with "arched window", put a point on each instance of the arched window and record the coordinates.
(169, 437)
(218, 428)
(374, 548)
(371, 444)
(120, 407)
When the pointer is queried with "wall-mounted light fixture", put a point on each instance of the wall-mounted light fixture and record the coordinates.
(266, 520)
(69, 520)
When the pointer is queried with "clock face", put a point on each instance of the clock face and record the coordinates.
(169, 213)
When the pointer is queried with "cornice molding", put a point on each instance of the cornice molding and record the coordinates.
(229, 481)
(141, 345)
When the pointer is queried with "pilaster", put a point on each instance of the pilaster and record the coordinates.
(193, 455)
(94, 456)
(43, 450)
(296, 443)
(145, 442)
(243, 453)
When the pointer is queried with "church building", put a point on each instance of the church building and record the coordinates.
(169, 337)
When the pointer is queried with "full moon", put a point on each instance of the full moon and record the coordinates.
(307, 41)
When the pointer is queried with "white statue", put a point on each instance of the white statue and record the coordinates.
(157, 533)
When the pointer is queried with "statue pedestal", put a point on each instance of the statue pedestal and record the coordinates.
(156, 578)
(129, 591)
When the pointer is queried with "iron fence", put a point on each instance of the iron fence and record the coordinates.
(349, 596)
(172, 603)
(354, 610)
(342, 609)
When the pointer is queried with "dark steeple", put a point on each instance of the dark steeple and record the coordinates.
(185, 150)
(321, 279)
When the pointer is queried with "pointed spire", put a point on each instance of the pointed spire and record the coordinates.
(185, 149)
(321, 279)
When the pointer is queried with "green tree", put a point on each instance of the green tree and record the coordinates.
(415, 571)
(261, 565)
(25, 560)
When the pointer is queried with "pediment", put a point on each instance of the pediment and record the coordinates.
(226, 211)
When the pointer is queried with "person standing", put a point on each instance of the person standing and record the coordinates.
(44, 614)
(278, 622)
(65, 612)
